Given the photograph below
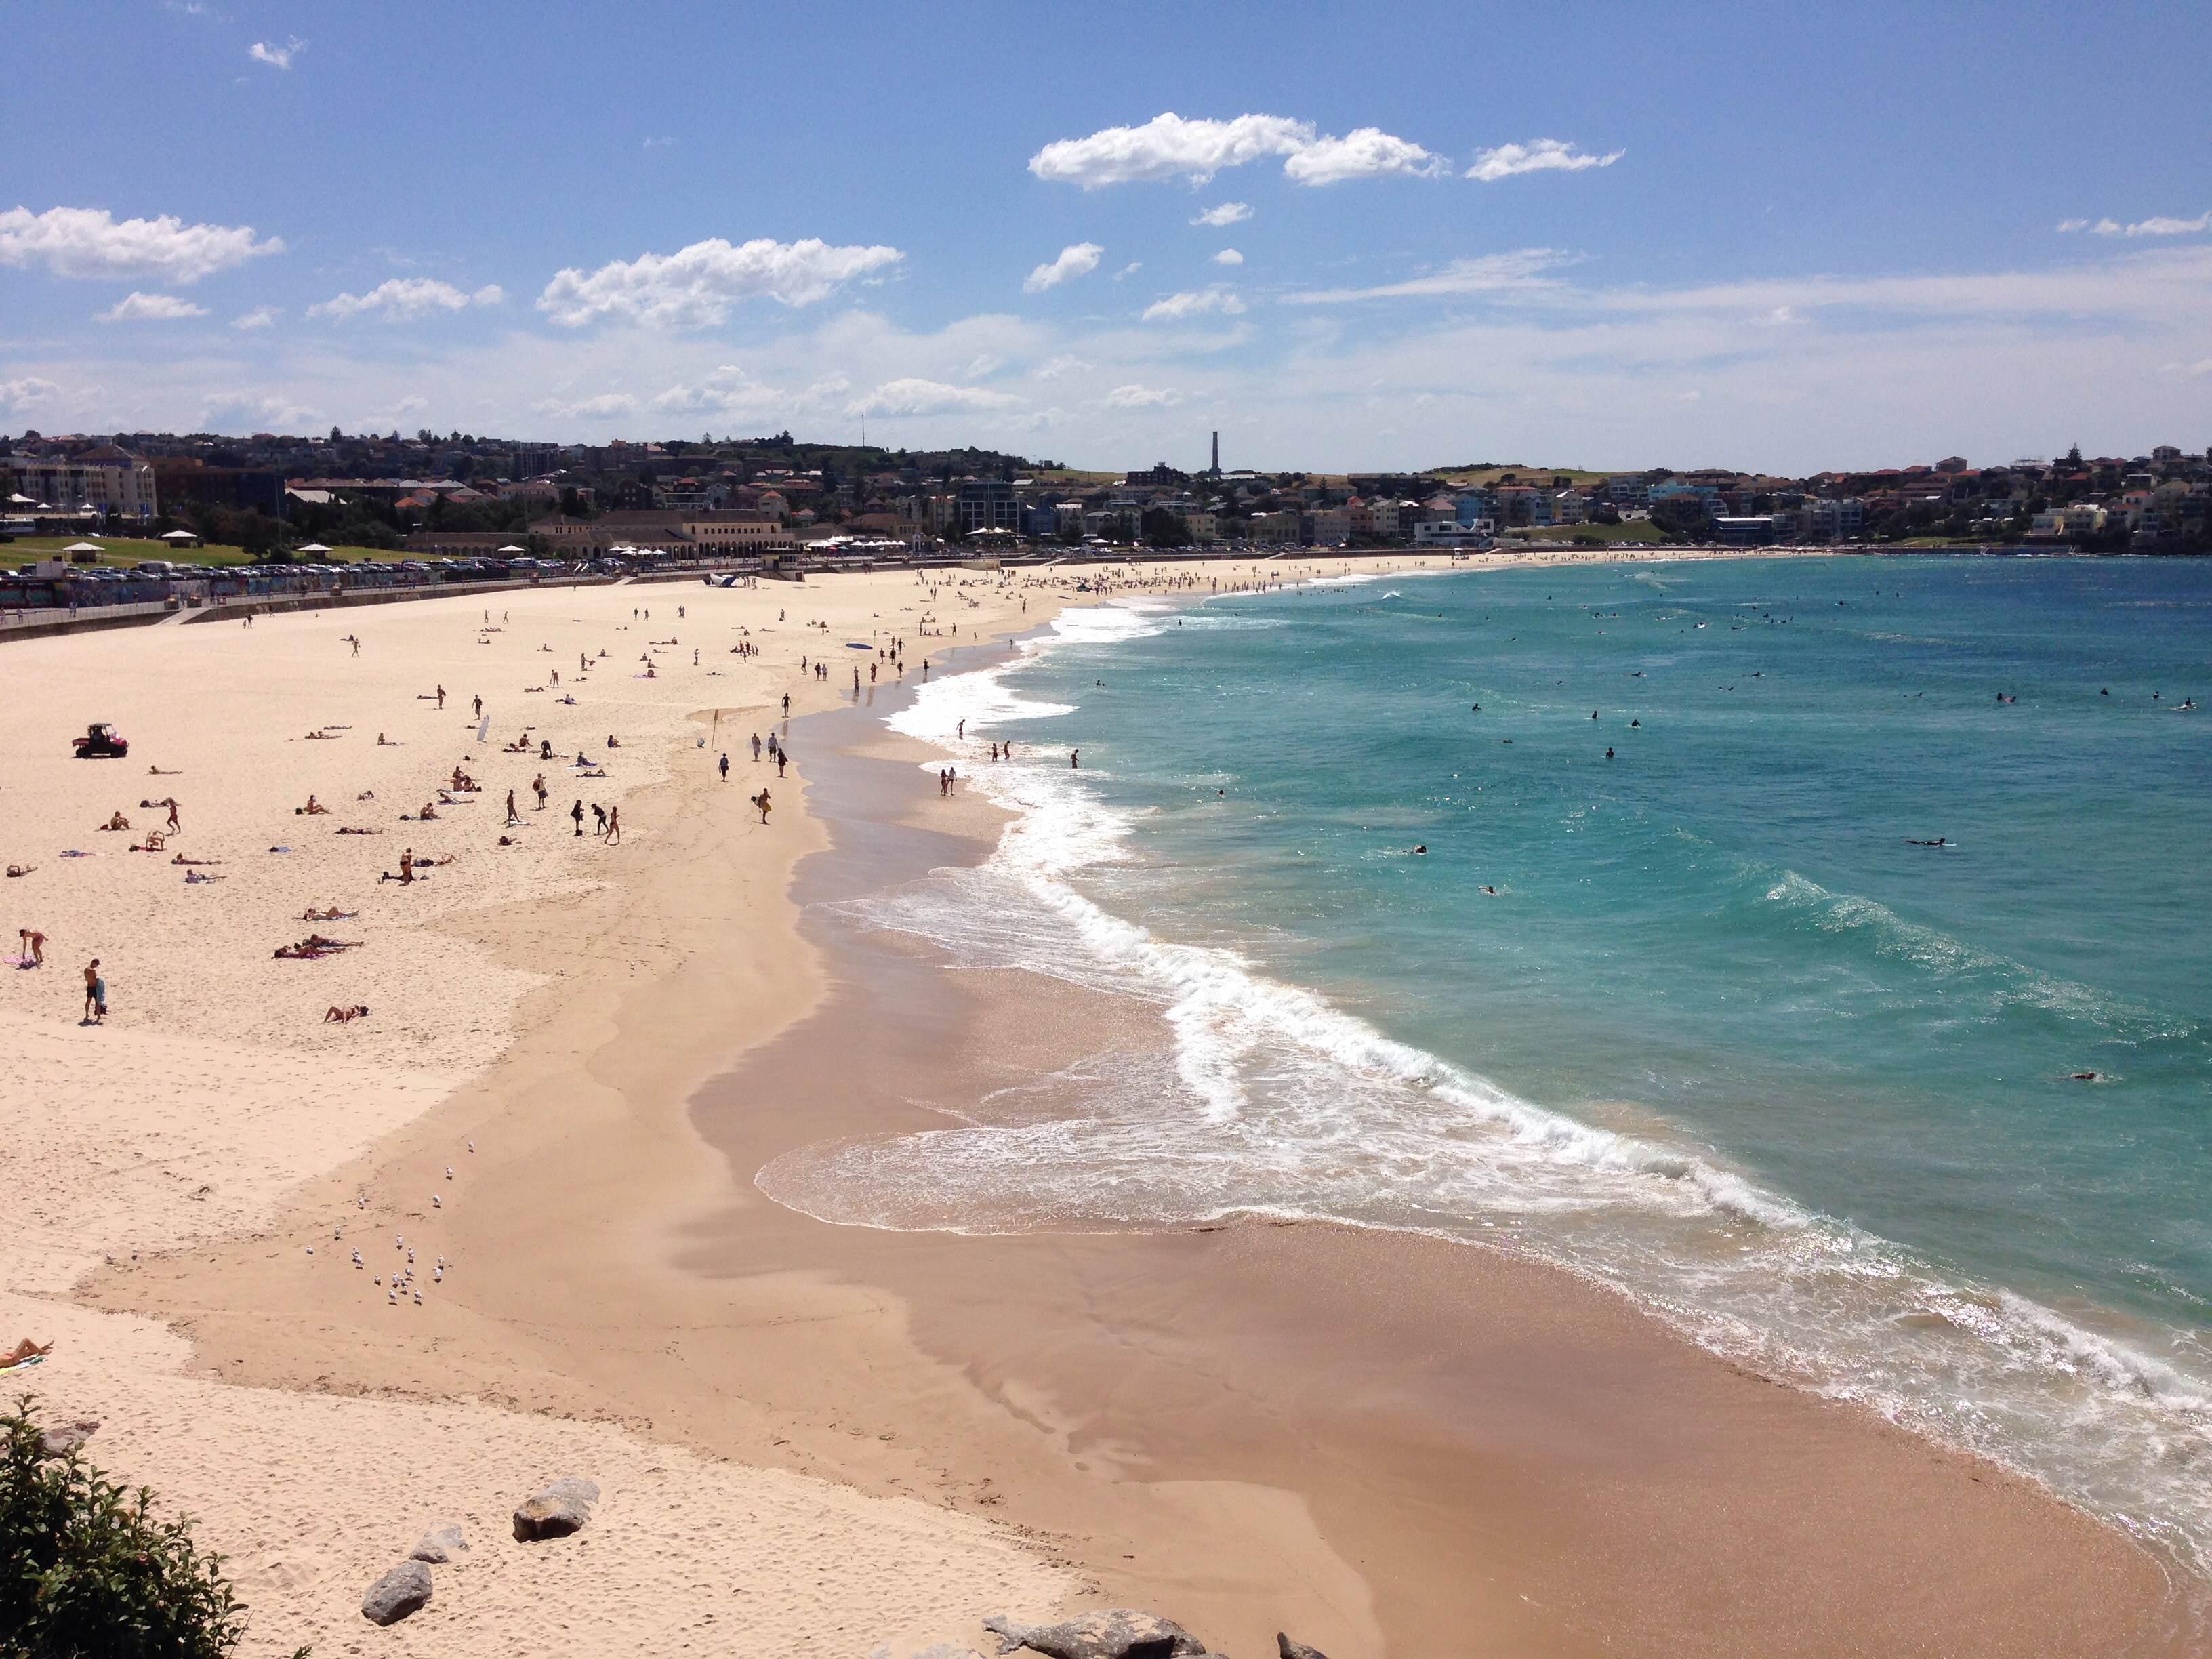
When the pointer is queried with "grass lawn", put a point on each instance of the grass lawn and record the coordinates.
(1642, 532)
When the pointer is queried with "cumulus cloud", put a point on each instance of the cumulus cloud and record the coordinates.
(401, 299)
(1078, 260)
(2151, 226)
(1143, 397)
(607, 406)
(918, 396)
(1067, 363)
(1364, 153)
(1490, 273)
(1229, 213)
(728, 391)
(1537, 155)
(1170, 146)
(1229, 256)
(27, 393)
(149, 308)
(697, 286)
(252, 412)
(259, 316)
(1202, 302)
(93, 242)
(277, 56)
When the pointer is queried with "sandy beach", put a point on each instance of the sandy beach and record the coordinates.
(811, 1439)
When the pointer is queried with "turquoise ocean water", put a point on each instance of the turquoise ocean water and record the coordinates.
(1721, 1037)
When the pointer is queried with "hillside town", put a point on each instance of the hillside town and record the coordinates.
(462, 495)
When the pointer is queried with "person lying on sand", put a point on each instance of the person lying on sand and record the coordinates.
(333, 914)
(24, 1352)
(180, 859)
(321, 737)
(348, 830)
(21, 869)
(194, 878)
(155, 841)
(359, 1011)
(156, 772)
(318, 942)
(116, 821)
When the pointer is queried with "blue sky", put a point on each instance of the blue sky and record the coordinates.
(1603, 235)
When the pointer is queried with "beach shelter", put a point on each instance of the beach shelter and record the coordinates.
(180, 537)
(75, 548)
(512, 547)
(312, 547)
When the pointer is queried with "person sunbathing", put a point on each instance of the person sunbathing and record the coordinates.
(22, 1350)
(194, 878)
(317, 942)
(156, 842)
(424, 863)
(383, 742)
(180, 859)
(333, 914)
(321, 737)
(21, 869)
(366, 794)
(348, 830)
(299, 953)
(314, 808)
(116, 821)
(343, 1015)
(156, 772)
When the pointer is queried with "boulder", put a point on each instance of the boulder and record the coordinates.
(397, 1594)
(440, 1546)
(1286, 1649)
(556, 1510)
(1111, 1633)
(66, 1438)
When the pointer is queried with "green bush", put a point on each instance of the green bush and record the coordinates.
(86, 1572)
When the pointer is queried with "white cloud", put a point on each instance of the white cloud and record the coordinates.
(27, 393)
(249, 412)
(2203, 366)
(93, 242)
(401, 299)
(1537, 155)
(1129, 270)
(912, 396)
(1204, 301)
(1364, 153)
(1229, 213)
(983, 364)
(1067, 363)
(259, 316)
(2071, 225)
(697, 285)
(1077, 259)
(1170, 147)
(603, 407)
(149, 308)
(662, 142)
(410, 404)
(1489, 273)
(1143, 397)
(2202, 222)
(1229, 256)
(277, 56)
(728, 391)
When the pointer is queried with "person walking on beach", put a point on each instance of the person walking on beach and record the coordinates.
(514, 817)
(95, 994)
(761, 801)
(726, 767)
(171, 805)
(782, 758)
(598, 819)
(576, 817)
(786, 705)
(441, 696)
(614, 826)
(756, 747)
(479, 703)
(538, 784)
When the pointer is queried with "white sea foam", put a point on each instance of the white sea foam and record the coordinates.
(1270, 1100)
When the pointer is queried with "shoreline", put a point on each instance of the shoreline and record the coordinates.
(582, 1227)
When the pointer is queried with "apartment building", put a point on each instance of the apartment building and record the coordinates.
(108, 480)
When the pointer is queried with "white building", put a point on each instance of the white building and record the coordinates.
(1450, 532)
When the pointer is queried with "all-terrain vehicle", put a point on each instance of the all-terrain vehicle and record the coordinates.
(101, 742)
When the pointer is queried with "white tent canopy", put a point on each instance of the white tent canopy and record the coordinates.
(512, 547)
(83, 547)
(179, 536)
(312, 547)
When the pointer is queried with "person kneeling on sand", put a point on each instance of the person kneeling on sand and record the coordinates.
(406, 869)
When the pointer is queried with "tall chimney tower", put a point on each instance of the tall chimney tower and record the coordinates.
(1216, 454)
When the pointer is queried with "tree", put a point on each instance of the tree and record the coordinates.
(1161, 528)
(85, 1568)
